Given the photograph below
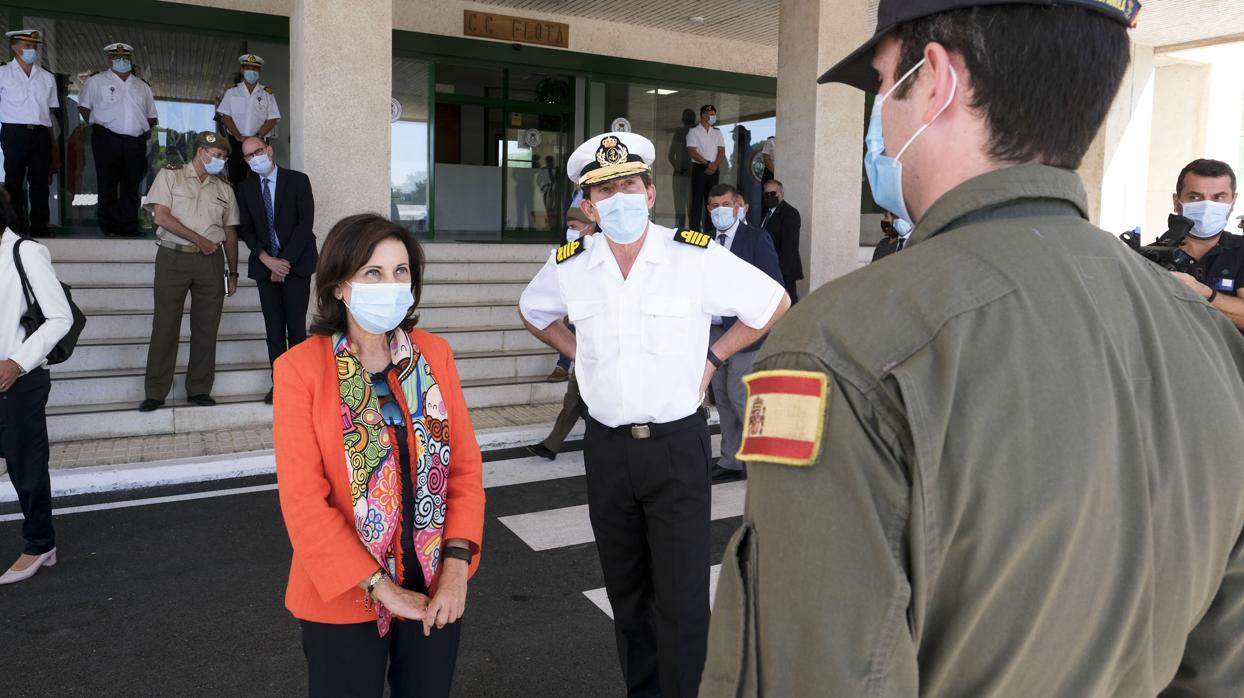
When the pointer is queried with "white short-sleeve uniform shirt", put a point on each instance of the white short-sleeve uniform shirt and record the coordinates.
(642, 341)
(121, 106)
(26, 99)
(707, 142)
(249, 109)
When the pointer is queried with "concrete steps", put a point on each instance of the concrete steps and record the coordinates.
(470, 298)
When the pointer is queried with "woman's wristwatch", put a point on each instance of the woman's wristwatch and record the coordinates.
(369, 601)
(457, 553)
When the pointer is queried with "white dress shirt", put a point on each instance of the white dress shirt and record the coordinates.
(642, 341)
(249, 109)
(26, 99)
(121, 106)
(30, 352)
(705, 142)
(727, 243)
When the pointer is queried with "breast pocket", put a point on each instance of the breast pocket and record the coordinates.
(665, 324)
(596, 336)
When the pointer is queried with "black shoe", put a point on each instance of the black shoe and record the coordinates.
(268, 398)
(202, 400)
(150, 405)
(541, 450)
(721, 474)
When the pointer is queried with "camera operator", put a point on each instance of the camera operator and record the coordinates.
(1205, 194)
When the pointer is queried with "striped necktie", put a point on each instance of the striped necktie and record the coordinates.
(267, 207)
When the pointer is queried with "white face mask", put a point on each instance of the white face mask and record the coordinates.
(379, 308)
(623, 217)
(571, 235)
(1209, 218)
(723, 217)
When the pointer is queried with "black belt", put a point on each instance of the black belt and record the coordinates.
(651, 431)
(28, 127)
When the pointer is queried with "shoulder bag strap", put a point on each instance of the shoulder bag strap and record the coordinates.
(27, 290)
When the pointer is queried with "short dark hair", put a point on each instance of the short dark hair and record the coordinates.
(775, 183)
(1044, 77)
(587, 188)
(722, 189)
(707, 107)
(1205, 167)
(347, 248)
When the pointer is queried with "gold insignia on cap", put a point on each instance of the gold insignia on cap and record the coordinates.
(210, 138)
(611, 152)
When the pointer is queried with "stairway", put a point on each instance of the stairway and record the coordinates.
(470, 298)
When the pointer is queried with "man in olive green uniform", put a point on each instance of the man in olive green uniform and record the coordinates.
(1007, 462)
(197, 216)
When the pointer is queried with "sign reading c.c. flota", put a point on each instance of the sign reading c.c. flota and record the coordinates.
(515, 29)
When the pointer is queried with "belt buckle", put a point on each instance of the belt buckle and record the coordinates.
(641, 431)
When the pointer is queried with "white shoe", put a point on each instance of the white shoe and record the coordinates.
(47, 559)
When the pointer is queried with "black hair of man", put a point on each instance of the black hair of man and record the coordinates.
(775, 183)
(722, 190)
(587, 188)
(1043, 76)
(1205, 167)
(707, 108)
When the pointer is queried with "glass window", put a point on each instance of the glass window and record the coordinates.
(409, 171)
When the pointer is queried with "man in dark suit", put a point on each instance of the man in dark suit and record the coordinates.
(752, 245)
(782, 221)
(896, 231)
(277, 220)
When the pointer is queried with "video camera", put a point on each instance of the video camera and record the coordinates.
(1167, 252)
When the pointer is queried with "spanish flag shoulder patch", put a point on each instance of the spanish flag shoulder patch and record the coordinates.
(693, 237)
(785, 417)
(569, 250)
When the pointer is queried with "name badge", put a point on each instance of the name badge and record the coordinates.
(1226, 284)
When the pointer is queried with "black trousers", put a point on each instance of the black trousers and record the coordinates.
(701, 182)
(348, 661)
(284, 308)
(120, 165)
(24, 445)
(235, 164)
(648, 501)
(28, 160)
(790, 291)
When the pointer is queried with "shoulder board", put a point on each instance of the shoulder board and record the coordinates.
(143, 79)
(570, 250)
(693, 238)
(94, 73)
(174, 166)
(267, 89)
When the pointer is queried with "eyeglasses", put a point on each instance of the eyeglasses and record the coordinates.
(390, 411)
(250, 156)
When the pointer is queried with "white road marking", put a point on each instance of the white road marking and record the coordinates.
(557, 528)
(601, 599)
(149, 501)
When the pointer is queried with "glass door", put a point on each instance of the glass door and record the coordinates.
(536, 188)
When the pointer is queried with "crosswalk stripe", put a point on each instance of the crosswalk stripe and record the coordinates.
(601, 598)
(557, 528)
(522, 471)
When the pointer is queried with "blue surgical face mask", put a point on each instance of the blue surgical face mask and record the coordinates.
(121, 65)
(214, 165)
(29, 56)
(742, 216)
(902, 227)
(723, 217)
(571, 235)
(379, 308)
(251, 76)
(712, 119)
(260, 164)
(885, 173)
(1209, 218)
(623, 217)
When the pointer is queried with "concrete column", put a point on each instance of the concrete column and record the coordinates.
(1180, 103)
(1116, 168)
(340, 90)
(820, 132)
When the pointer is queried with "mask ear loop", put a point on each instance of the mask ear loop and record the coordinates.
(954, 87)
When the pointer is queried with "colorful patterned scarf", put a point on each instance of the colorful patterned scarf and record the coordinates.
(372, 459)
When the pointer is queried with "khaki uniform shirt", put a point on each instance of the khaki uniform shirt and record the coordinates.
(205, 207)
(1007, 462)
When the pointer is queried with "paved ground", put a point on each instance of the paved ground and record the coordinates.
(146, 449)
(184, 598)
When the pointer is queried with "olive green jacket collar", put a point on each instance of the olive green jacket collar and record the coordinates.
(1020, 184)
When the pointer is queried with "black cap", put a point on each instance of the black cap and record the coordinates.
(857, 70)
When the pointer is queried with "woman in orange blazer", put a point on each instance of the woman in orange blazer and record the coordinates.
(379, 475)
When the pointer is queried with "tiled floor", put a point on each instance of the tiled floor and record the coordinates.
(78, 454)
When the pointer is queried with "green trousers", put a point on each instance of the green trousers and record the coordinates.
(177, 273)
(572, 410)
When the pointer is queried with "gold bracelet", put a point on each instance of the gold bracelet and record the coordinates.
(369, 602)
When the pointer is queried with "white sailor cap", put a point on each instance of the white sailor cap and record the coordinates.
(251, 60)
(610, 156)
(32, 35)
(118, 49)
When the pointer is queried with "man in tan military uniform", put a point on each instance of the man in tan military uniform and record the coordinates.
(197, 216)
(1006, 462)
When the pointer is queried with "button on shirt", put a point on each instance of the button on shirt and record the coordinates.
(725, 242)
(30, 352)
(249, 109)
(121, 106)
(205, 207)
(642, 341)
(26, 99)
(707, 142)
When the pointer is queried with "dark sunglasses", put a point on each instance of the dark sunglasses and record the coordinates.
(390, 410)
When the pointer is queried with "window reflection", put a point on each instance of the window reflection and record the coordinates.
(409, 181)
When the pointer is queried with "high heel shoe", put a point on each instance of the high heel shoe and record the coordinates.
(47, 559)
